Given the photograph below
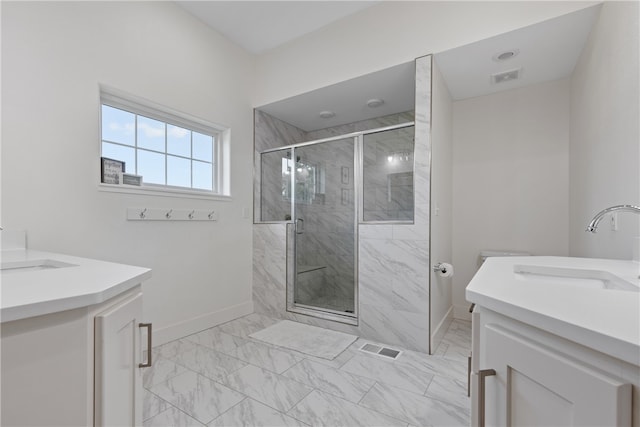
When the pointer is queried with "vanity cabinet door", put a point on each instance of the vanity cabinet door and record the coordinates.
(534, 385)
(118, 377)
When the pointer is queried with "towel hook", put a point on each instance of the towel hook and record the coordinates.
(143, 213)
(211, 214)
(191, 214)
(168, 214)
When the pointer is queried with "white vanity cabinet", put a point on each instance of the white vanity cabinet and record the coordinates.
(524, 376)
(556, 342)
(76, 367)
(118, 373)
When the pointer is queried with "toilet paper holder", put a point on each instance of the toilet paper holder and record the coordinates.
(440, 268)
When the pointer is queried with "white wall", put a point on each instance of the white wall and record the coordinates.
(389, 34)
(392, 33)
(510, 177)
(605, 137)
(54, 55)
(441, 203)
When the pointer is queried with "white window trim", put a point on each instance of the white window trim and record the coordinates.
(222, 191)
(163, 191)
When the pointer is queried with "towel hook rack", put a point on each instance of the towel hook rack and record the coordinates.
(169, 215)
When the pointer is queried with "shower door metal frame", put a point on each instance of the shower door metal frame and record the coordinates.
(321, 312)
(291, 264)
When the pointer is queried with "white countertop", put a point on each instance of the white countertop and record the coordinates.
(33, 293)
(607, 320)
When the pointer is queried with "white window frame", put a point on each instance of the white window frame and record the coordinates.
(130, 103)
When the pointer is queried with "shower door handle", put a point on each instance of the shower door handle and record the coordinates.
(299, 226)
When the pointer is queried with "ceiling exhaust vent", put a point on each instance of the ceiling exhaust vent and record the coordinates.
(506, 76)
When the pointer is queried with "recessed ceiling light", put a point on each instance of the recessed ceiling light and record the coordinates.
(375, 102)
(327, 114)
(507, 54)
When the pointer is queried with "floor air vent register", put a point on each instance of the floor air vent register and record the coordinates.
(385, 352)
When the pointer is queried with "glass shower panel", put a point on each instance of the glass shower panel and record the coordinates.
(275, 185)
(387, 174)
(325, 226)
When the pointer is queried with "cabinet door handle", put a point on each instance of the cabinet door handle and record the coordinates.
(149, 345)
(482, 374)
(469, 375)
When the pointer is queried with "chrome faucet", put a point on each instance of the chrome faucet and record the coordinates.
(593, 225)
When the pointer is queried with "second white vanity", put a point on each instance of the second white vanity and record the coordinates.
(556, 342)
(71, 340)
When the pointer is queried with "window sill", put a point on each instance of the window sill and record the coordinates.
(162, 192)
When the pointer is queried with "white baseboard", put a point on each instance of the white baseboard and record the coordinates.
(441, 329)
(461, 312)
(197, 324)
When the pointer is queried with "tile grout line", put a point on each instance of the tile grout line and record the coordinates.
(229, 409)
(342, 374)
(450, 403)
(260, 401)
(166, 379)
(204, 376)
(370, 409)
(430, 373)
(290, 368)
(201, 374)
(158, 397)
(266, 369)
(179, 410)
(246, 396)
(298, 402)
(364, 395)
(408, 422)
(424, 393)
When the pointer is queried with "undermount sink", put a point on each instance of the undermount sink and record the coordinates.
(585, 278)
(32, 265)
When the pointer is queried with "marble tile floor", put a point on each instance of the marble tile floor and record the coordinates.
(222, 377)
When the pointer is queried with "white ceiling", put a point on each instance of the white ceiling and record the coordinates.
(262, 25)
(548, 51)
(348, 99)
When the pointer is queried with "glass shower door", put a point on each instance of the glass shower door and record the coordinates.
(324, 227)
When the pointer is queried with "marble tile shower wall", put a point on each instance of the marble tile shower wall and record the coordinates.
(393, 259)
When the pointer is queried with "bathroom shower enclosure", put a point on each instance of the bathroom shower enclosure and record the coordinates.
(385, 186)
(323, 189)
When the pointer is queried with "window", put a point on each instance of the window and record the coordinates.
(170, 150)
